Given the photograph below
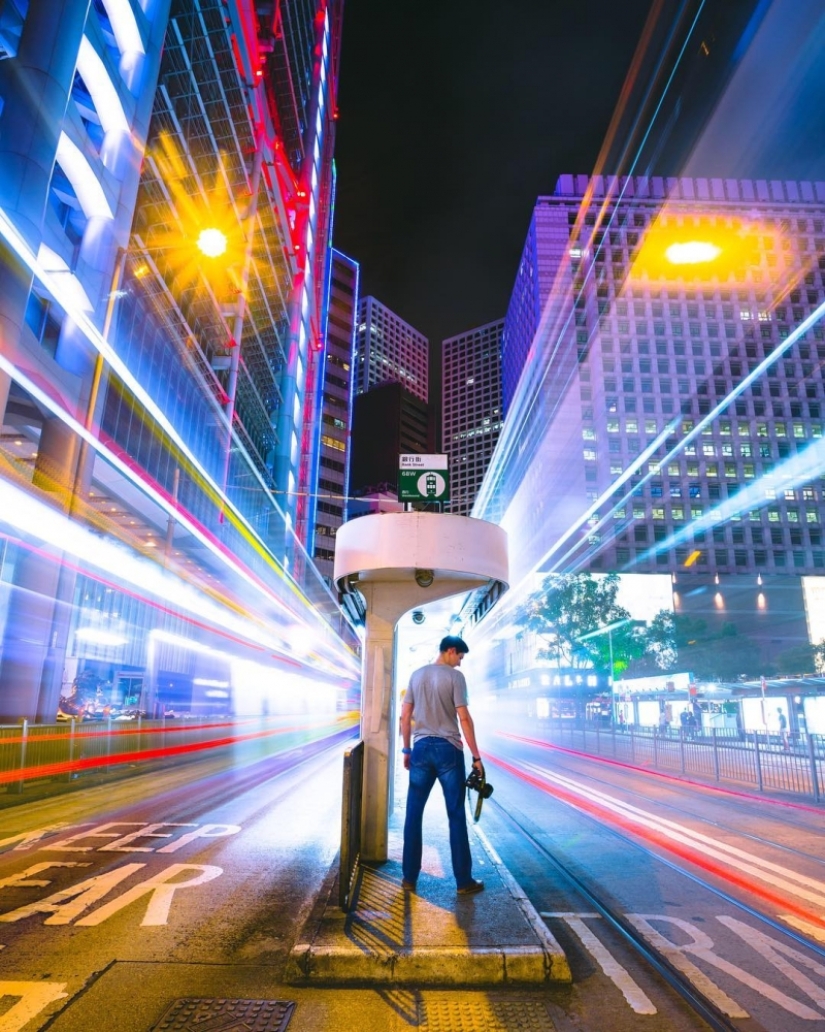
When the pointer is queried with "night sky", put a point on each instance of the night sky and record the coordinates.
(454, 117)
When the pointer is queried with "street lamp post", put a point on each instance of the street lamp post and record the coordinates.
(608, 629)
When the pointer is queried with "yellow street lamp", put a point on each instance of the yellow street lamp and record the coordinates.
(212, 242)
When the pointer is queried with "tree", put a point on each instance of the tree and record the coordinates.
(568, 608)
(819, 657)
(684, 643)
(799, 659)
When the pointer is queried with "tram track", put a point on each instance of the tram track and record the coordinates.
(696, 1000)
(779, 815)
(610, 910)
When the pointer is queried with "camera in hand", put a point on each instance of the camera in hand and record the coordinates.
(478, 783)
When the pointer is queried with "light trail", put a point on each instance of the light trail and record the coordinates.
(682, 843)
(511, 439)
(24, 512)
(65, 299)
(678, 781)
(86, 763)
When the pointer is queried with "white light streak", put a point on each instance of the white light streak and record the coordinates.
(101, 89)
(80, 174)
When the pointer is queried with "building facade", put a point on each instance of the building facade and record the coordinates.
(387, 422)
(336, 431)
(388, 348)
(471, 409)
(159, 397)
(669, 413)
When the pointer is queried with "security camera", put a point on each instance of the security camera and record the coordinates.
(418, 617)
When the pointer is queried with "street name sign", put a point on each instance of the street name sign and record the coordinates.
(423, 478)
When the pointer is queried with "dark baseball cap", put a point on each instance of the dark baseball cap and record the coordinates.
(453, 642)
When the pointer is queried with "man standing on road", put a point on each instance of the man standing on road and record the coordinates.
(437, 697)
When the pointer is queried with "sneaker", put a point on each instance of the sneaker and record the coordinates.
(471, 889)
(407, 886)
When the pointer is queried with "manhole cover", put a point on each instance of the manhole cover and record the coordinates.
(226, 1016)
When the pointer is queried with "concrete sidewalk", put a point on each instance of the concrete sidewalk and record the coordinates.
(432, 937)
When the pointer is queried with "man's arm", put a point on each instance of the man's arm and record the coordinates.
(406, 730)
(468, 729)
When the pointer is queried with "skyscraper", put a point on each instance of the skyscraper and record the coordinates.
(336, 430)
(165, 186)
(669, 413)
(388, 348)
(471, 416)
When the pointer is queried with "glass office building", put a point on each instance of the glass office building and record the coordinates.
(662, 363)
(160, 396)
(471, 405)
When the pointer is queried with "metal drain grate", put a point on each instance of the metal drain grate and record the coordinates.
(485, 1015)
(226, 1016)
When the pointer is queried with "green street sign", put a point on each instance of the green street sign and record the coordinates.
(423, 478)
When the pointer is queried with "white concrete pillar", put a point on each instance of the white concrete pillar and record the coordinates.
(398, 562)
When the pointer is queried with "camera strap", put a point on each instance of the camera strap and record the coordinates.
(479, 800)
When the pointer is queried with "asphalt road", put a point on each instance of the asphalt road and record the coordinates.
(195, 880)
(731, 887)
(213, 862)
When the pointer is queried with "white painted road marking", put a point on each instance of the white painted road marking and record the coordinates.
(632, 992)
(772, 950)
(162, 890)
(33, 997)
(701, 946)
(68, 904)
(25, 880)
(777, 953)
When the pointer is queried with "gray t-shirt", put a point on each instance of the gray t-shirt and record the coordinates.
(435, 691)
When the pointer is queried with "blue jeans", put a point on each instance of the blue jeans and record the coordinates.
(436, 758)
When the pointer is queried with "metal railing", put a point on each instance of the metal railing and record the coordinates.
(32, 753)
(350, 823)
(770, 762)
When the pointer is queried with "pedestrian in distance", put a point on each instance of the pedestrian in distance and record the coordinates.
(437, 699)
(783, 728)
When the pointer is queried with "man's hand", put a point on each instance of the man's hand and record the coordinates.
(406, 761)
